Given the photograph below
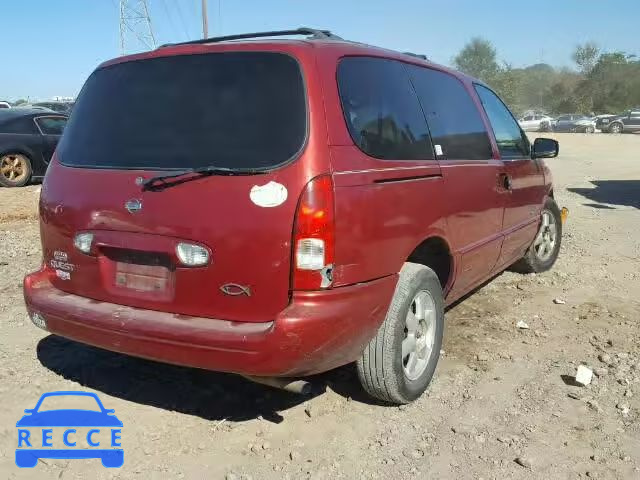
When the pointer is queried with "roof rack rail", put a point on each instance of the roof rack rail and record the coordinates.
(419, 55)
(312, 33)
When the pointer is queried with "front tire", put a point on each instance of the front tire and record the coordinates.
(399, 362)
(615, 127)
(544, 250)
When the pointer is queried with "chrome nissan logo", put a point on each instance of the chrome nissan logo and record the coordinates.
(133, 206)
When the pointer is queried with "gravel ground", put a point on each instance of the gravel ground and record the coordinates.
(502, 404)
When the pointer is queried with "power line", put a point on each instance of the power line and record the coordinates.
(219, 17)
(184, 25)
(170, 17)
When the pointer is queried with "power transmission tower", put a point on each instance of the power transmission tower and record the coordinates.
(135, 26)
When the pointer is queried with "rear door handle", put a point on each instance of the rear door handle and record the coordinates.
(505, 181)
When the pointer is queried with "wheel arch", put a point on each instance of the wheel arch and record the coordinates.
(18, 149)
(619, 122)
(435, 252)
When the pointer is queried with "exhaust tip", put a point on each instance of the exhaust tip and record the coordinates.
(301, 387)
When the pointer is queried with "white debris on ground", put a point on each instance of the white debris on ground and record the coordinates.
(583, 376)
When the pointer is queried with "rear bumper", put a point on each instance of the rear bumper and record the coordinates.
(318, 331)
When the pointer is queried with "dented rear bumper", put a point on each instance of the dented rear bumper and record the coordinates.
(318, 331)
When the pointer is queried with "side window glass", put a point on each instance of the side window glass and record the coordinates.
(52, 125)
(24, 125)
(381, 109)
(457, 129)
(510, 139)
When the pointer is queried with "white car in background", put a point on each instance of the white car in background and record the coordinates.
(535, 123)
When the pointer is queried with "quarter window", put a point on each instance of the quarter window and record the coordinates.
(511, 142)
(457, 129)
(51, 125)
(381, 109)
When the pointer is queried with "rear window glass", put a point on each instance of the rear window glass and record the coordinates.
(233, 110)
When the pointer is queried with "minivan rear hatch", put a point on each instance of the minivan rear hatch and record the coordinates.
(241, 112)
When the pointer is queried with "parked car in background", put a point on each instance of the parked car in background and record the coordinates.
(5, 105)
(574, 123)
(628, 121)
(365, 188)
(28, 138)
(535, 123)
(60, 107)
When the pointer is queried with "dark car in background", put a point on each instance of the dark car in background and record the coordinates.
(628, 121)
(574, 122)
(59, 107)
(28, 138)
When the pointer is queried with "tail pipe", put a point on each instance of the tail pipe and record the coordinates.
(301, 387)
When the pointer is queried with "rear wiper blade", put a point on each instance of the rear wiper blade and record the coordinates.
(161, 181)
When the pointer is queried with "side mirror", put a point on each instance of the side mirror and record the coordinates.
(28, 410)
(545, 148)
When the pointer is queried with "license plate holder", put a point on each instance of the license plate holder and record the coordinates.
(143, 278)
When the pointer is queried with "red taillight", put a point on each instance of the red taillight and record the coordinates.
(314, 236)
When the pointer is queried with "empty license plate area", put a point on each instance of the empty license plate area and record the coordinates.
(147, 273)
(143, 278)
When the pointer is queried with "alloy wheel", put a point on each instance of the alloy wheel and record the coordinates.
(14, 167)
(545, 241)
(420, 334)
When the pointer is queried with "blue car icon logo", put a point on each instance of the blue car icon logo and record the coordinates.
(69, 433)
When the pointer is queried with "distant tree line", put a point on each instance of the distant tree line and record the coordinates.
(603, 82)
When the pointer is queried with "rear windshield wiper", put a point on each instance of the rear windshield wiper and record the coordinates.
(165, 181)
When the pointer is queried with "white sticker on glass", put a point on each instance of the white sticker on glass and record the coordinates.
(270, 195)
(438, 149)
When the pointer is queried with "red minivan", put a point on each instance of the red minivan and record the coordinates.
(278, 208)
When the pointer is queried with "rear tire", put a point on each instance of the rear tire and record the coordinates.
(544, 250)
(399, 362)
(15, 170)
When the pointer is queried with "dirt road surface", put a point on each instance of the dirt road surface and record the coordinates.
(501, 404)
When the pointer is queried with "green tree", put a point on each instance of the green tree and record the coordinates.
(606, 82)
(586, 56)
(614, 82)
(506, 81)
(478, 59)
